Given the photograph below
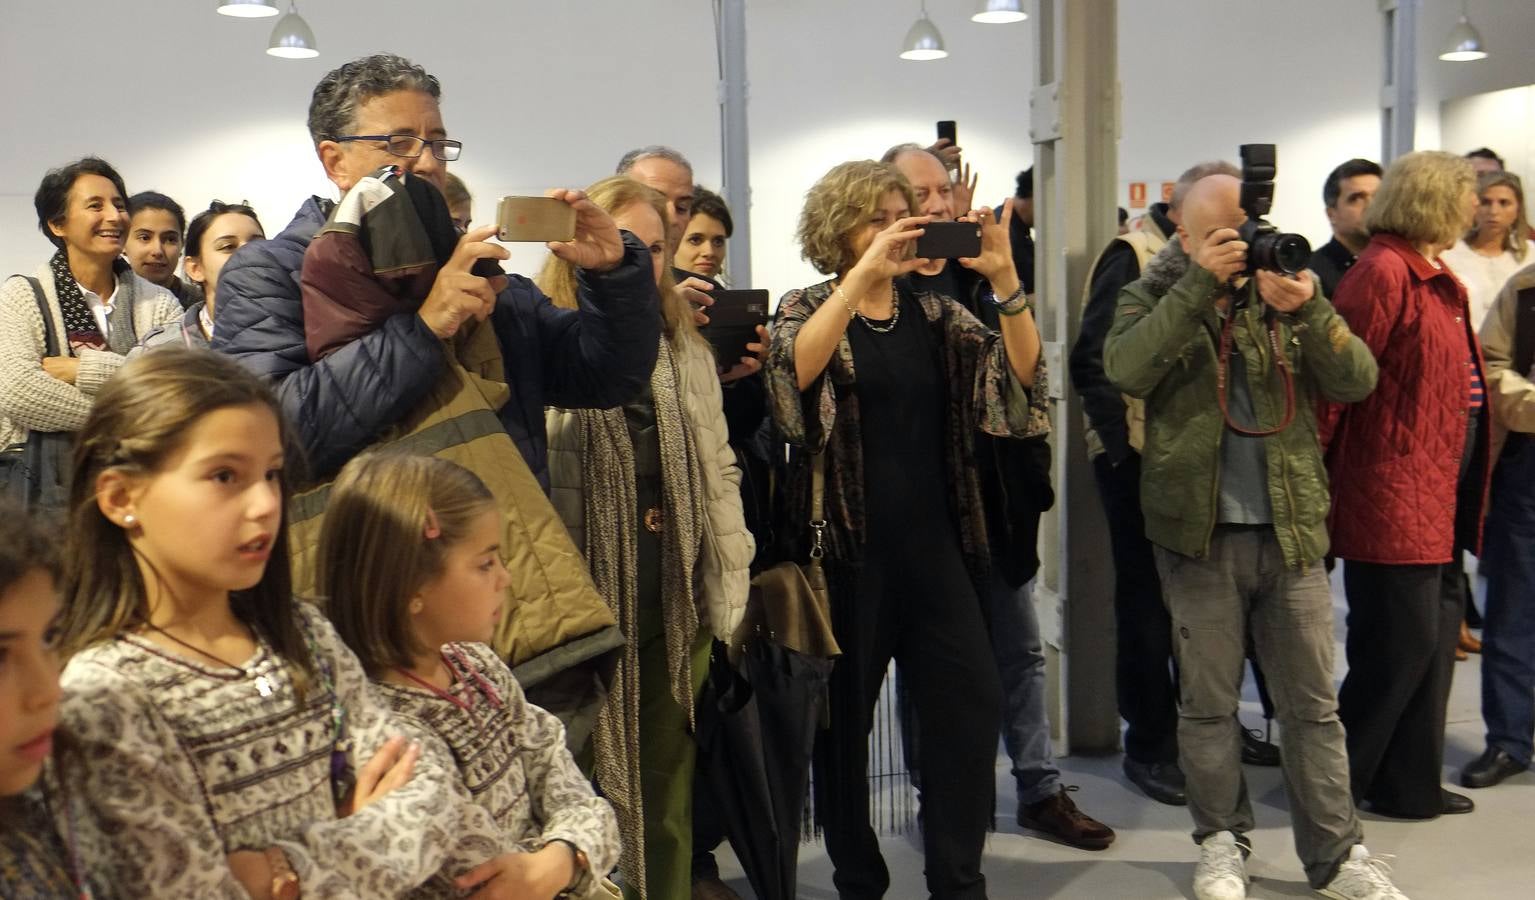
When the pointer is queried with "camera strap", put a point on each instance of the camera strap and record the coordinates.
(1222, 373)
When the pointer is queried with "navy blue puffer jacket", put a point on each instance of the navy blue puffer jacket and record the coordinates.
(595, 357)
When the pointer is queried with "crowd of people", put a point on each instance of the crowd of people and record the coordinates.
(344, 563)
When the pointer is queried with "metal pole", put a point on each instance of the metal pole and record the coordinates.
(1073, 120)
(733, 148)
(1399, 88)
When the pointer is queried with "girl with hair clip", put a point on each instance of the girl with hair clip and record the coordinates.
(214, 724)
(650, 492)
(410, 565)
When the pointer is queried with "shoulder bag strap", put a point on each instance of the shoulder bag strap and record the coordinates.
(817, 507)
(50, 337)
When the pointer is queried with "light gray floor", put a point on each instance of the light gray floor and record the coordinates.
(1486, 854)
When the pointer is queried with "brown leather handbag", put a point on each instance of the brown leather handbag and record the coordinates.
(788, 604)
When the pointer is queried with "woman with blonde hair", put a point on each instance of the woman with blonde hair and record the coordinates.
(649, 491)
(1409, 468)
(883, 388)
(1496, 246)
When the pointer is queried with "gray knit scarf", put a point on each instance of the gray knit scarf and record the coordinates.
(612, 552)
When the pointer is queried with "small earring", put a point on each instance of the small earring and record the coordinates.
(128, 520)
(415, 607)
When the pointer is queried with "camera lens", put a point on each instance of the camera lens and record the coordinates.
(1279, 252)
(1291, 253)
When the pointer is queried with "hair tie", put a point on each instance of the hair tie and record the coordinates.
(433, 531)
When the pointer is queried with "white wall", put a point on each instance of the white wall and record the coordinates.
(1500, 120)
(542, 94)
(551, 93)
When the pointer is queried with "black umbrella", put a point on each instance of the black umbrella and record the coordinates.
(757, 724)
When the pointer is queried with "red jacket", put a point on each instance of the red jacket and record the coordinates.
(1394, 457)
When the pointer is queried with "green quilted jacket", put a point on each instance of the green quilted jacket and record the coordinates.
(1163, 347)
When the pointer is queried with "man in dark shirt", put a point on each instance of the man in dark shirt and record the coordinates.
(1347, 193)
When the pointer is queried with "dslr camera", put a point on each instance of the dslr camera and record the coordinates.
(1267, 246)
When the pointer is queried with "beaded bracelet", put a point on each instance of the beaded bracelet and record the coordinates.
(852, 311)
(1013, 305)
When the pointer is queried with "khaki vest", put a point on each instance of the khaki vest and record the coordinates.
(554, 616)
(1147, 241)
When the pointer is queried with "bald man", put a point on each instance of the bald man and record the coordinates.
(1235, 499)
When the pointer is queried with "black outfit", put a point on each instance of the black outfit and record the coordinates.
(917, 604)
(751, 438)
(1403, 624)
(1329, 262)
(1021, 235)
(1145, 676)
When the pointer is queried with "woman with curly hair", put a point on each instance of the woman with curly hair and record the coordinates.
(888, 386)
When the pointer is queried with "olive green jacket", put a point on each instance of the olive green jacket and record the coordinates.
(1163, 347)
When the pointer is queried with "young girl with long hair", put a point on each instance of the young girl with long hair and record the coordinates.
(410, 565)
(215, 725)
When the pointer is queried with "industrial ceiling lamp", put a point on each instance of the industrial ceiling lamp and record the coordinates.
(247, 9)
(923, 40)
(292, 38)
(1464, 43)
(1000, 12)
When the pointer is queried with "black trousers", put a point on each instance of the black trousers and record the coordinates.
(919, 608)
(1403, 622)
(1144, 674)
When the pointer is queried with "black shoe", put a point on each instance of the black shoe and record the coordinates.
(1456, 804)
(1162, 782)
(1256, 751)
(1491, 768)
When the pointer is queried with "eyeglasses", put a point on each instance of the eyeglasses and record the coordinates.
(409, 146)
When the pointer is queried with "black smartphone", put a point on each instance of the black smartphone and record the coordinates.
(949, 240)
(733, 320)
(946, 130)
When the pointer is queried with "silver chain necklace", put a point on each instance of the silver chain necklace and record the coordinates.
(895, 315)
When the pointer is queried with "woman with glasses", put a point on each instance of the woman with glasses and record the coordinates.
(66, 329)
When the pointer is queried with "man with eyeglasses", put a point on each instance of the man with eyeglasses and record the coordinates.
(384, 110)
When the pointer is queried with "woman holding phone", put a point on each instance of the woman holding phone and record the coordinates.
(888, 386)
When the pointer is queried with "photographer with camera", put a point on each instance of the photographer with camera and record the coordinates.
(1231, 348)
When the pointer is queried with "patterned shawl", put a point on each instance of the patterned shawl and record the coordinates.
(612, 553)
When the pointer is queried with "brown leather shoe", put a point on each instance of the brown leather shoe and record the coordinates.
(713, 889)
(1468, 641)
(1058, 817)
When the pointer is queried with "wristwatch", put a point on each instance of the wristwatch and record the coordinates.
(581, 865)
(285, 884)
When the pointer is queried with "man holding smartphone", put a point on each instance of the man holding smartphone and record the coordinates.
(1016, 490)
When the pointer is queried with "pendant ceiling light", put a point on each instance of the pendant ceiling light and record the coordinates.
(247, 9)
(1000, 12)
(1464, 43)
(923, 40)
(292, 38)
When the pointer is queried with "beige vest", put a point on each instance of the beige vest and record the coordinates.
(1147, 241)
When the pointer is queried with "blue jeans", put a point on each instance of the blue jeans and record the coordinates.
(1508, 639)
(1020, 657)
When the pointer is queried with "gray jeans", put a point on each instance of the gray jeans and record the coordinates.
(1213, 602)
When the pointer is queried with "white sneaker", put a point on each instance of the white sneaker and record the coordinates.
(1362, 877)
(1221, 873)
